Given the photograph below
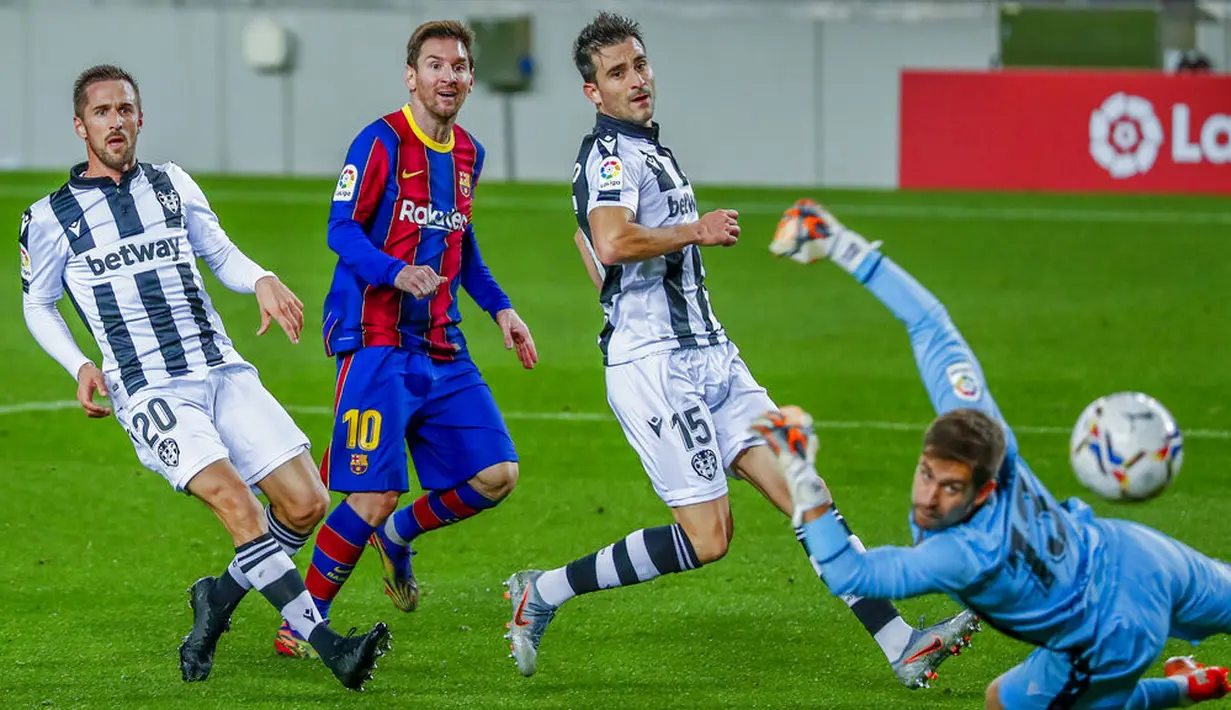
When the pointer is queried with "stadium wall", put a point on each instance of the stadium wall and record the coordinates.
(759, 98)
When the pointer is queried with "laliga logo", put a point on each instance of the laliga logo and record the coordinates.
(1214, 142)
(1126, 135)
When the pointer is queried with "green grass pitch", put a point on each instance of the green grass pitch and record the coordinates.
(1063, 299)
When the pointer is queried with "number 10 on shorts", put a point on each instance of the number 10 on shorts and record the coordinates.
(362, 429)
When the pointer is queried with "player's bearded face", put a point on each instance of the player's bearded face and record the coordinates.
(111, 122)
(442, 77)
(943, 493)
(623, 84)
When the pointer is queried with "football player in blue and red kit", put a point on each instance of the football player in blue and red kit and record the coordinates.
(400, 223)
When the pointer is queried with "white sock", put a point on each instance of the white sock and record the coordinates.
(271, 572)
(238, 575)
(553, 586)
(894, 637)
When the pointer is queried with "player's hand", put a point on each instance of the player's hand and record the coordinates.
(277, 302)
(89, 381)
(419, 281)
(517, 335)
(718, 228)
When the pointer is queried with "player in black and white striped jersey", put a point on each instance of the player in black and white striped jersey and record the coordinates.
(123, 237)
(677, 385)
(657, 302)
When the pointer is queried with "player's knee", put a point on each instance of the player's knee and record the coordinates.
(234, 505)
(710, 544)
(496, 482)
(374, 508)
(305, 509)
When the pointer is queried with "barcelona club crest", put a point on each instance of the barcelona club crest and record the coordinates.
(463, 183)
(359, 464)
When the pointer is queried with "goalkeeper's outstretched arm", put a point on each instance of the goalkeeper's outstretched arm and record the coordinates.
(949, 369)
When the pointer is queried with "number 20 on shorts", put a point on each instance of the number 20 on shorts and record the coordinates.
(362, 429)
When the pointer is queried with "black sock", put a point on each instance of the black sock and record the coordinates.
(640, 557)
(272, 573)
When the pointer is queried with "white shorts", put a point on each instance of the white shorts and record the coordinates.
(181, 426)
(687, 414)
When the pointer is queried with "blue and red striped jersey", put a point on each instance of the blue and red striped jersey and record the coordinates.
(403, 198)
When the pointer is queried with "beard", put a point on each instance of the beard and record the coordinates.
(118, 161)
(436, 106)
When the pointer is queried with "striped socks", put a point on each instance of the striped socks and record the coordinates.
(640, 557)
(339, 544)
(290, 541)
(233, 584)
(433, 510)
(268, 569)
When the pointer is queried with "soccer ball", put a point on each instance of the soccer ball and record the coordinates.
(1126, 446)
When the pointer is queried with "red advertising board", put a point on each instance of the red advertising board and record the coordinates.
(1066, 131)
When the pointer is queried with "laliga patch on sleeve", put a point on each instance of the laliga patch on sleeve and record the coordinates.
(27, 273)
(965, 381)
(610, 174)
(345, 190)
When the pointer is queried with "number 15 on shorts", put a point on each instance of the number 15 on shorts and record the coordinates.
(692, 427)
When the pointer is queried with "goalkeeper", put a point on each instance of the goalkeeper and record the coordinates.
(1097, 597)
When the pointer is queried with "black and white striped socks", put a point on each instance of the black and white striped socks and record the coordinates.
(290, 541)
(234, 584)
(640, 557)
(270, 571)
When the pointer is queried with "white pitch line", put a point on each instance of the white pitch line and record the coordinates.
(862, 209)
(314, 410)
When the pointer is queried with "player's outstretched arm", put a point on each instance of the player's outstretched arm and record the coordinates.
(939, 564)
(950, 371)
(620, 240)
(885, 573)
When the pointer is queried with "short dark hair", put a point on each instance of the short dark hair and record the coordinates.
(970, 437)
(606, 30)
(439, 29)
(95, 74)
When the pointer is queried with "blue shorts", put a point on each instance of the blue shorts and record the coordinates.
(1160, 589)
(388, 400)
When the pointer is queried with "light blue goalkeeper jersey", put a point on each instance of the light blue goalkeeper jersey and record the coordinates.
(1028, 565)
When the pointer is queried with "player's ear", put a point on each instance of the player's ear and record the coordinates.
(410, 78)
(984, 492)
(590, 89)
(79, 126)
